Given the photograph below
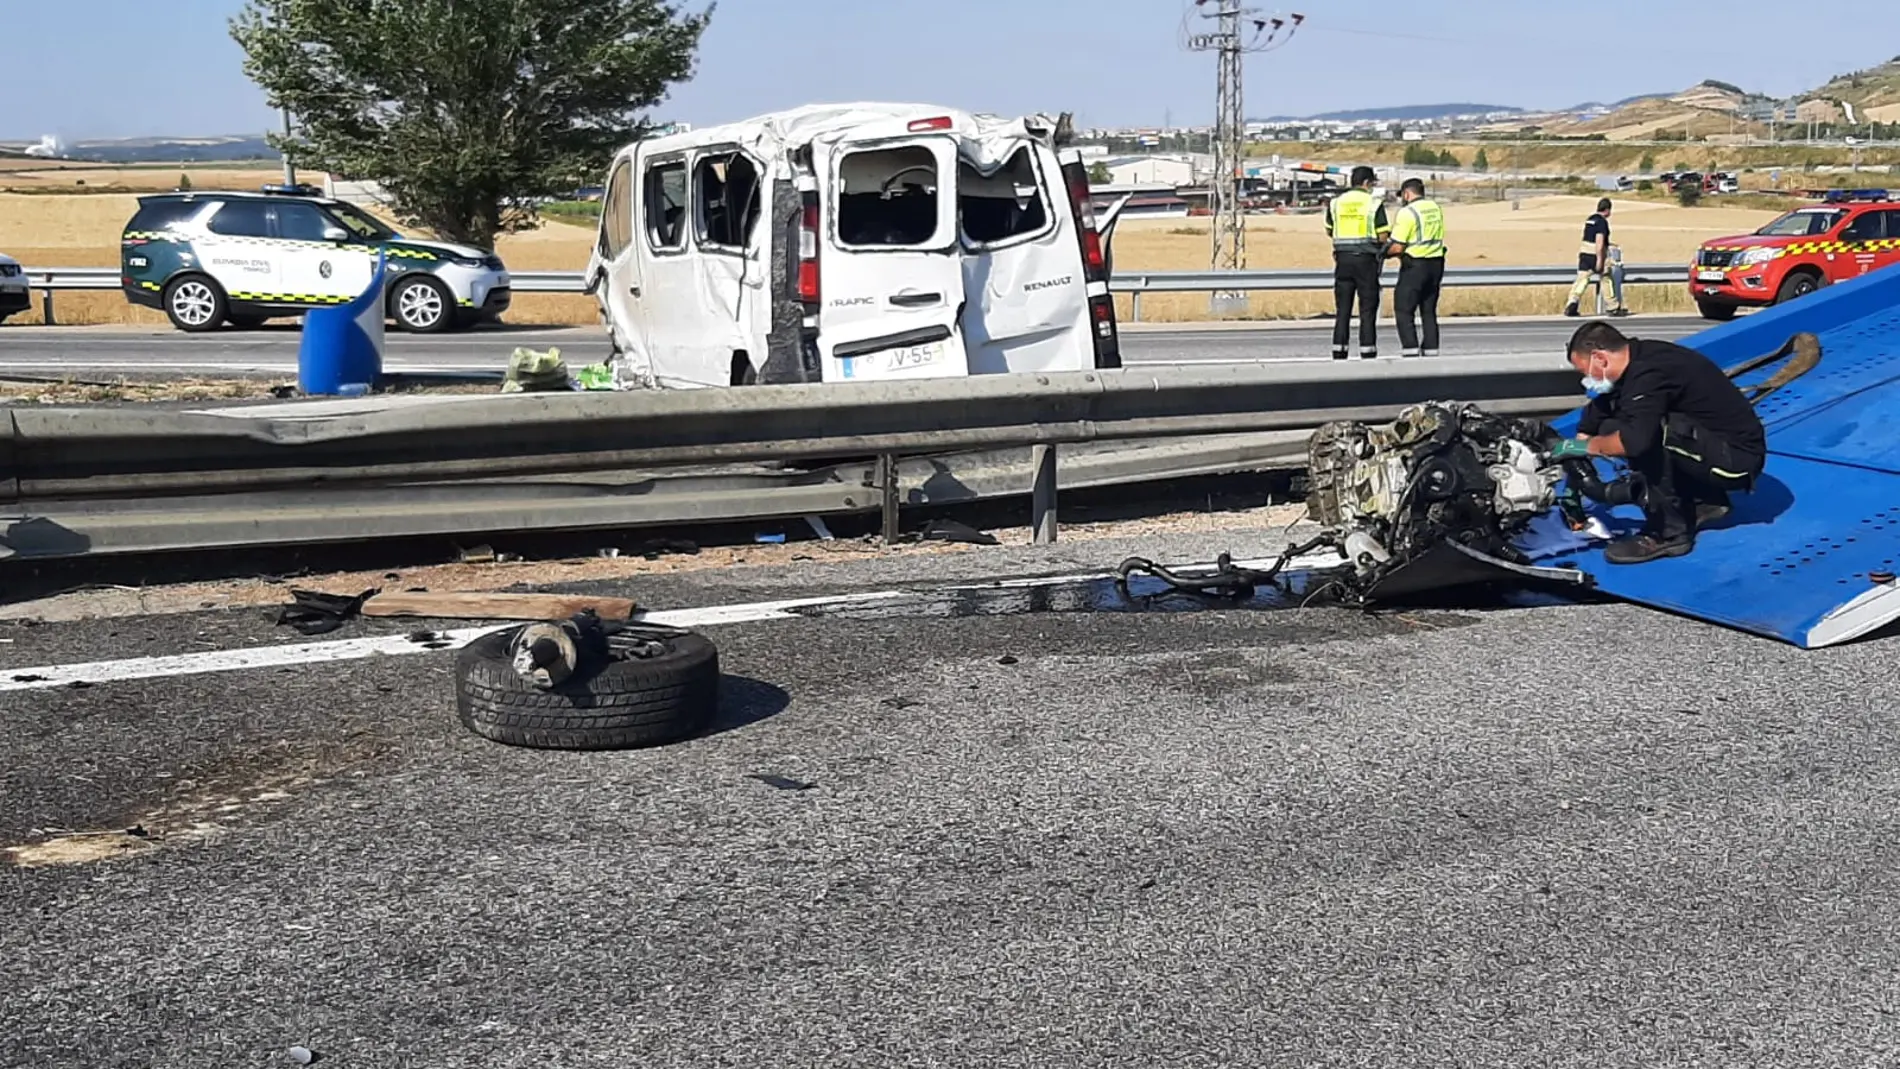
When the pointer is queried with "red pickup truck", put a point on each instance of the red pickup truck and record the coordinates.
(1842, 238)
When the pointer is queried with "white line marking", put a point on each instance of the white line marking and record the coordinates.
(48, 677)
(52, 676)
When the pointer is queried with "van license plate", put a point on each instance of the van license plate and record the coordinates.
(1711, 276)
(891, 360)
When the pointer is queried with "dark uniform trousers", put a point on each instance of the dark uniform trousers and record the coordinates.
(1356, 274)
(1687, 467)
(1417, 295)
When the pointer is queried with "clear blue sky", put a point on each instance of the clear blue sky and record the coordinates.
(123, 68)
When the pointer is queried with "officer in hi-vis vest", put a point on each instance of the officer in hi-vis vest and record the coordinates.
(1418, 240)
(1356, 222)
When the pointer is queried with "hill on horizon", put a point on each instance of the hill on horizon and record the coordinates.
(1399, 112)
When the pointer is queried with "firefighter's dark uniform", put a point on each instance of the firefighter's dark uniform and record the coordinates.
(1689, 434)
(1356, 222)
(1421, 229)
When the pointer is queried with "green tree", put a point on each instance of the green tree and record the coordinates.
(1098, 174)
(1481, 162)
(1689, 194)
(1647, 163)
(465, 111)
(184, 180)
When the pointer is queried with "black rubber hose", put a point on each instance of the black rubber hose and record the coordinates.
(1226, 578)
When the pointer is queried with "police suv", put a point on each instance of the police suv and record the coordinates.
(210, 258)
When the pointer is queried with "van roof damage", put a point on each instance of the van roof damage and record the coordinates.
(986, 141)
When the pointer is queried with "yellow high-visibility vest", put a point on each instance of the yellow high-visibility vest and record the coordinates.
(1351, 213)
(1424, 237)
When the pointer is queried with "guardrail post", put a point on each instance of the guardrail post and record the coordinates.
(1042, 493)
(1136, 316)
(887, 494)
(46, 301)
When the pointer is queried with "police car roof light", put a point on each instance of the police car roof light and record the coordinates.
(298, 190)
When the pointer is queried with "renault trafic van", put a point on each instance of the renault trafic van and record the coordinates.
(840, 243)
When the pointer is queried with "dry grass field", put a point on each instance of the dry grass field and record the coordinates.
(83, 231)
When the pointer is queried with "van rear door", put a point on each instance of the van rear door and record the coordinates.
(892, 281)
(1024, 276)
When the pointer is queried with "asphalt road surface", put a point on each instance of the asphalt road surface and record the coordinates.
(959, 831)
(95, 351)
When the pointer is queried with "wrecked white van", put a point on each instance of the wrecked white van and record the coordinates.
(852, 242)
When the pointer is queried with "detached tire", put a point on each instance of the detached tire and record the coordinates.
(625, 703)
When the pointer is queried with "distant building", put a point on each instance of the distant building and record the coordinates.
(1149, 170)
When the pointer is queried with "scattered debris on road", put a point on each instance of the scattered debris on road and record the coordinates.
(313, 612)
(460, 605)
(536, 371)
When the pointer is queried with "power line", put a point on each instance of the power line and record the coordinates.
(1236, 32)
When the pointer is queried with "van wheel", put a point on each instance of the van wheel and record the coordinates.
(195, 303)
(1799, 285)
(422, 305)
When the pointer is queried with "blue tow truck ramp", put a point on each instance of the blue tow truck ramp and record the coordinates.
(1809, 556)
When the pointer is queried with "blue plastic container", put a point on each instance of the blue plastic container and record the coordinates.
(341, 351)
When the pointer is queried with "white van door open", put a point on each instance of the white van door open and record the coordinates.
(613, 268)
(892, 278)
(1027, 287)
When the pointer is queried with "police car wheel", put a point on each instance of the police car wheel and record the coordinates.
(422, 306)
(195, 303)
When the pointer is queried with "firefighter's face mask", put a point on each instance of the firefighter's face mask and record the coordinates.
(1596, 375)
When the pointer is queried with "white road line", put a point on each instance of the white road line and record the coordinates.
(352, 649)
(47, 677)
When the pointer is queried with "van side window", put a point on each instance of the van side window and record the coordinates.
(887, 197)
(616, 207)
(726, 199)
(665, 205)
(1000, 206)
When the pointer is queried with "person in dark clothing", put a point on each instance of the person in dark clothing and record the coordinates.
(1596, 261)
(1688, 432)
(1356, 222)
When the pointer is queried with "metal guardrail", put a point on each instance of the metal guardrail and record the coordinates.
(51, 279)
(84, 481)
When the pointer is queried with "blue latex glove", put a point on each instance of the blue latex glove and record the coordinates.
(1568, 448)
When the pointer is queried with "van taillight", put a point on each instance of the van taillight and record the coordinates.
(1108, 353)
(808, 251)
(1093, 263)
